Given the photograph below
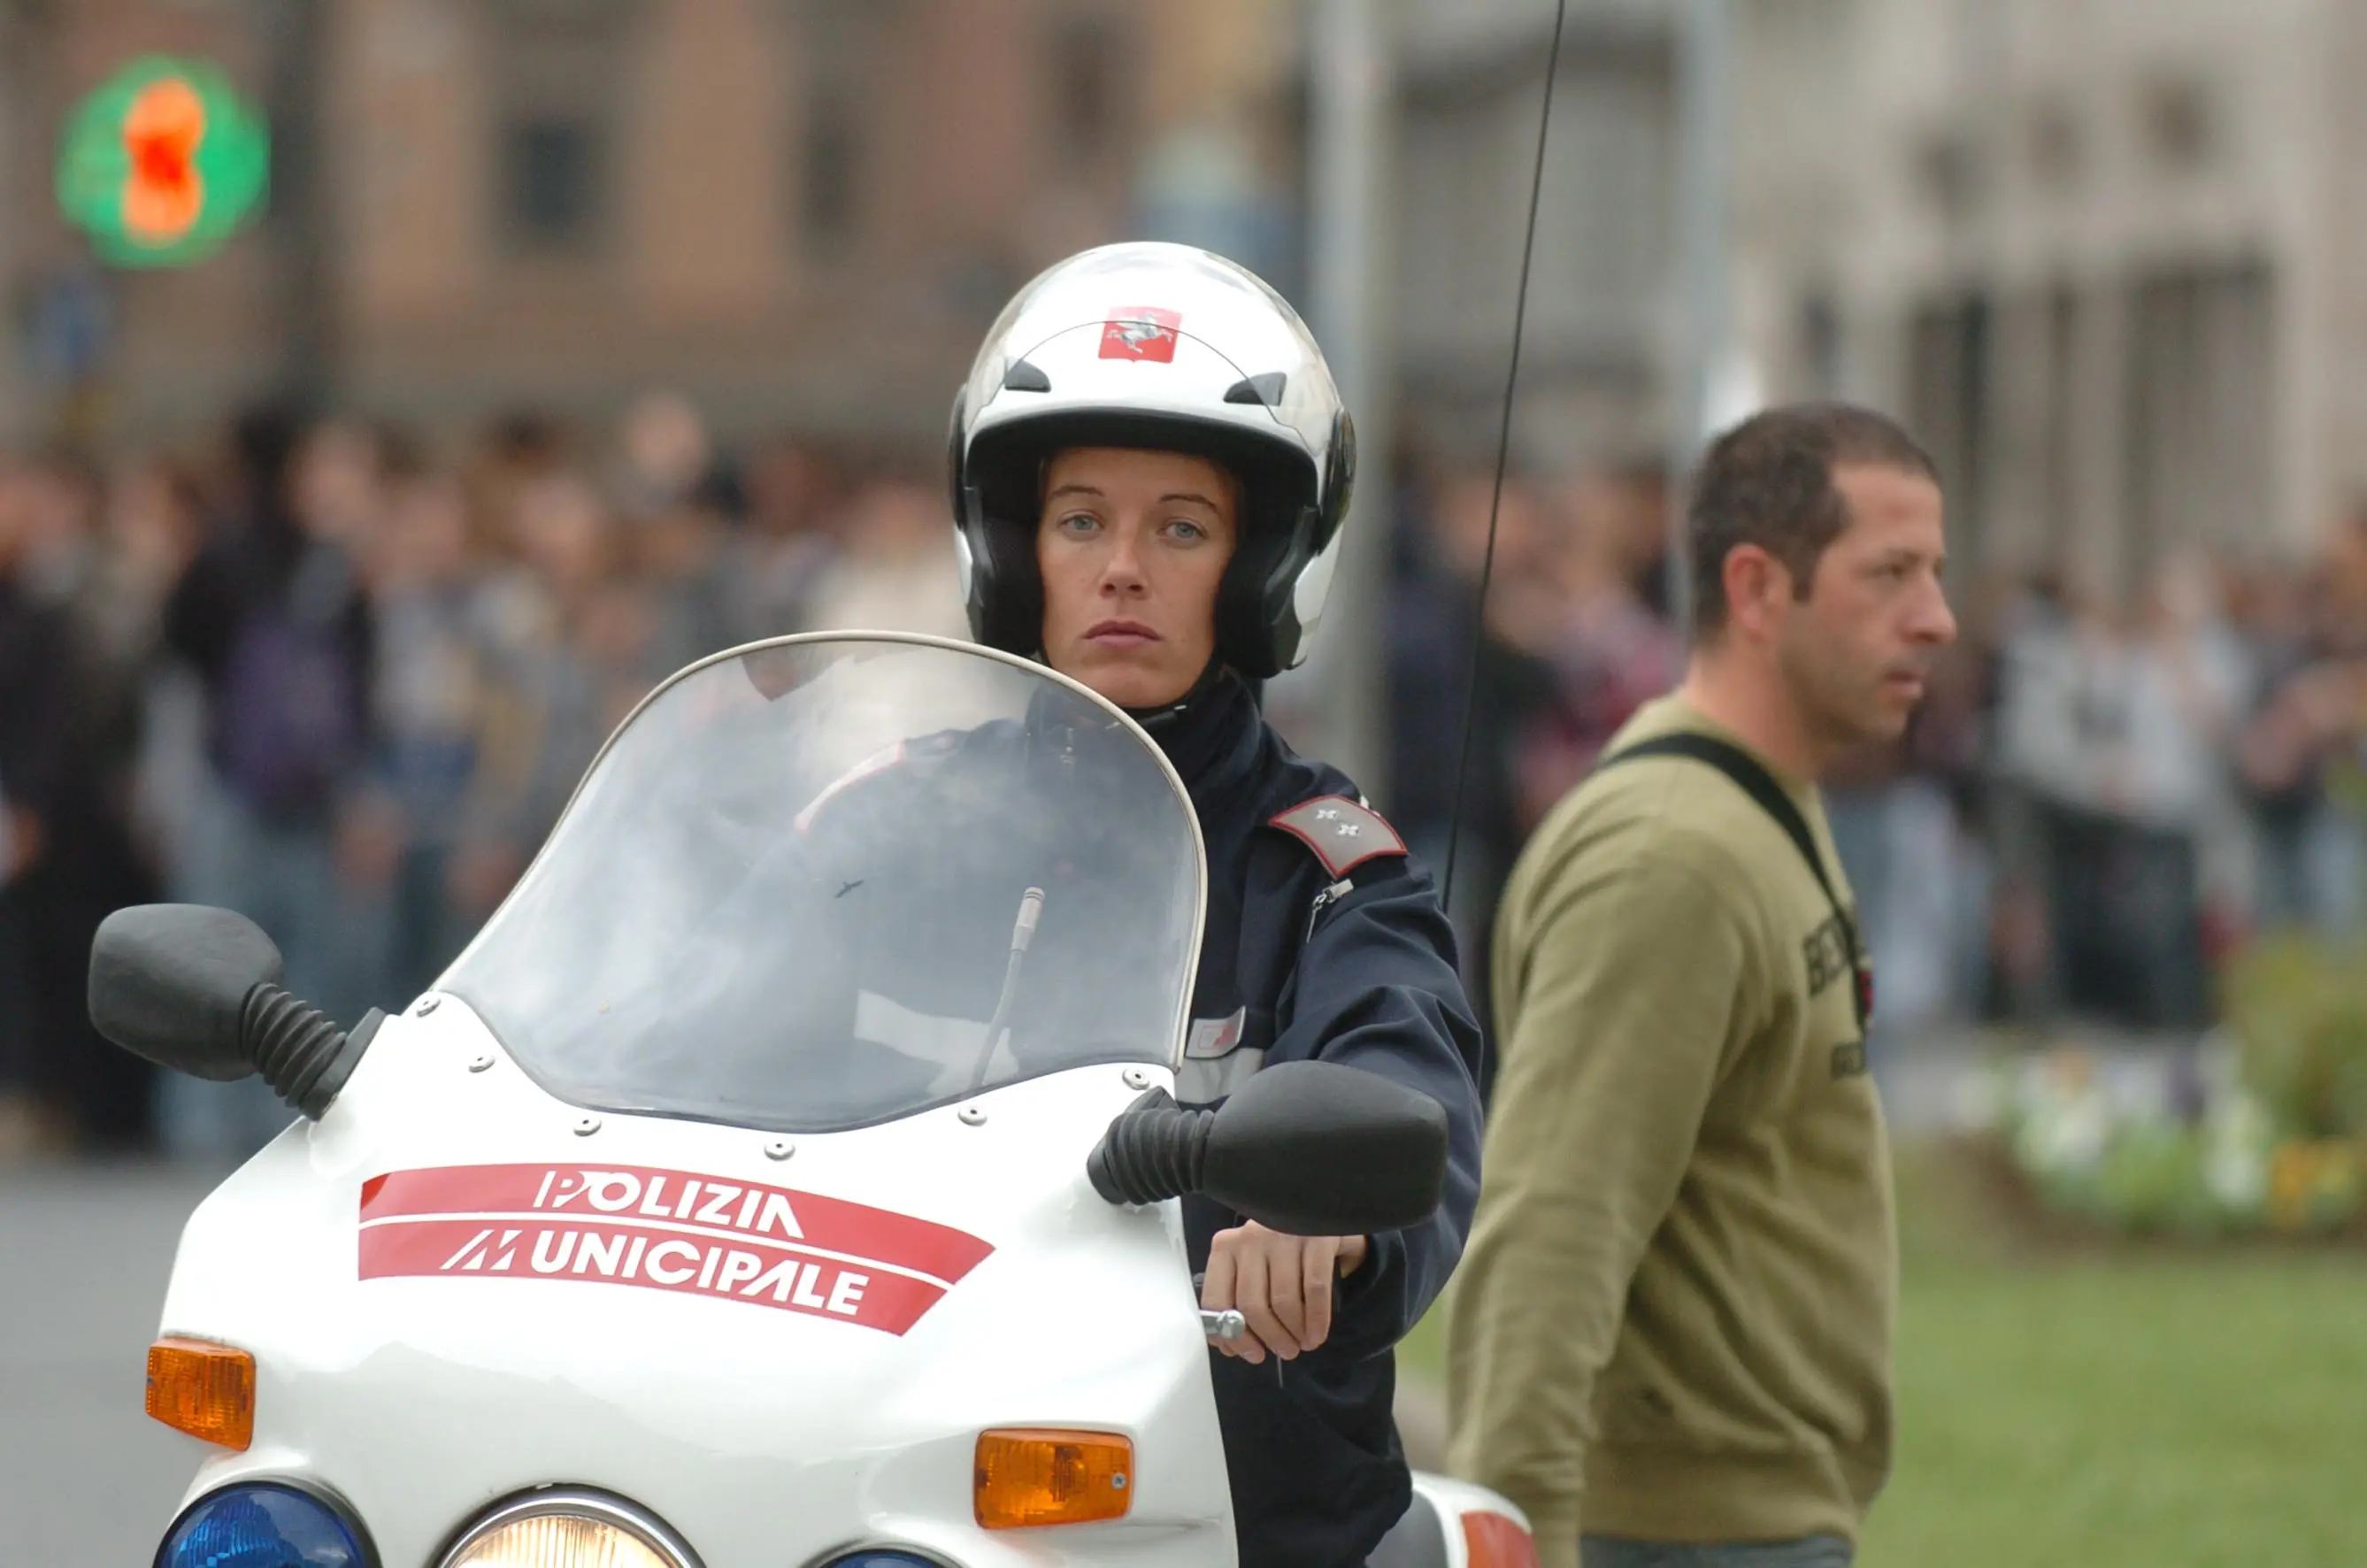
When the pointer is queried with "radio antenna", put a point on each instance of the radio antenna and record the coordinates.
(1503, 457)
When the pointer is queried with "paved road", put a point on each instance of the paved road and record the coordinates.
(86, 1480)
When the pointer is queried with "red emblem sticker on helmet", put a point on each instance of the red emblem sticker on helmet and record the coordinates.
(1140, 331)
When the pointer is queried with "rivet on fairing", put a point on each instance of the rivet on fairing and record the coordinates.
(973, 1116)
(586, 1125)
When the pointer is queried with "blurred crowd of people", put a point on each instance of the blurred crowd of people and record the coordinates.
(2173, 775)
(346, 686)
(2097, 804)
(346, 689)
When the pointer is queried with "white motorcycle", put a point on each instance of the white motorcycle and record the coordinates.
(781, 1179)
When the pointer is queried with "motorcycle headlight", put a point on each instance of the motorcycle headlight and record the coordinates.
(569, 1528)
(262, 1524)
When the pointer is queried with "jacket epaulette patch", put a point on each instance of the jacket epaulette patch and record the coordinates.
(1344, 833)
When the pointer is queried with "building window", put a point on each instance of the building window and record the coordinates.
(558, 86)
(1948, 394)
(1087, 113)
(2201, 384)
(2060, 418)
(840, 41)
(2178, 122)
(1820, 343)
(1948, 171)
(2056, 149)
(833, 159)
(551, 182)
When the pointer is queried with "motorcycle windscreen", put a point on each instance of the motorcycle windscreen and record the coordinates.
(826, 882)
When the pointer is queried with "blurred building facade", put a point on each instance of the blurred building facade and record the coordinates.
(2104, 254)
(1602, 366)
(2109, 257)
(801, 211)
(1596, 345)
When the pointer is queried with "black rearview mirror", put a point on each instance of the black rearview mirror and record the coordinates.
(169, 983)
(197, 989)
(1310, 1148)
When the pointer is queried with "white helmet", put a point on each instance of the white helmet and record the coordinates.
(1171, 349)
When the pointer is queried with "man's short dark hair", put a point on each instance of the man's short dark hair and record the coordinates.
(1769, 482)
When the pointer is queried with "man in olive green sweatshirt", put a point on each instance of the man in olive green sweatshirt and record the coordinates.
(1669, 1341)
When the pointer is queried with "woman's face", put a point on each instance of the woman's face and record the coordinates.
(1132, 546)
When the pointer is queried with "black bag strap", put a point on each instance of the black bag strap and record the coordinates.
(1755, 782)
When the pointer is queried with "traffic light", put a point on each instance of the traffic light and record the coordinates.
(161, 162)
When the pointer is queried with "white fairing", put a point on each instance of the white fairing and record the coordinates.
(767, 1280)
(764, 1437)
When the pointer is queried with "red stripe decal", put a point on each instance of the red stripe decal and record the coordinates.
(663, 1230)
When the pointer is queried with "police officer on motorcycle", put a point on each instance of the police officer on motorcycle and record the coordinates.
(1150, 468)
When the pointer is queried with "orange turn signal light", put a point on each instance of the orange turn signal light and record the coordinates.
(1041, 1476)
(1493, 1541)
(203, 1389)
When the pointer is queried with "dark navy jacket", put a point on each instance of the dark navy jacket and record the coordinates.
(1297, 962)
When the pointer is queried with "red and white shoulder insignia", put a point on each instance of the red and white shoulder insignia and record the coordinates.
(1344, 833)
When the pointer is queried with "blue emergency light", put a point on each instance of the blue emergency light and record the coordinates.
(262, 1524)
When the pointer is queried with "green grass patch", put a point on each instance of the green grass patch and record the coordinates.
(2158, 1407)
(2175, 1413)
(1422, 1353)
